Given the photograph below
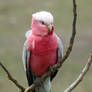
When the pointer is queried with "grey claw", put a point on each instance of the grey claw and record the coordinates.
(51, 69)
(37, 81)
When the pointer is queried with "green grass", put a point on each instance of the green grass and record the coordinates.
(15, 20)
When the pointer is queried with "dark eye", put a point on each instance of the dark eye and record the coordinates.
(42, 22)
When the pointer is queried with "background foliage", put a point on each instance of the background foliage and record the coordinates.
(15, 20)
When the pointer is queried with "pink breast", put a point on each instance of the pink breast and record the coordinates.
(43, 54)
(40, 63)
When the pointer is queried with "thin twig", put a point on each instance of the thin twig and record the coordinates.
(81, 76)
(11, 78)
(69, 49)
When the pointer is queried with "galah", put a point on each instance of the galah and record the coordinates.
(42, 49)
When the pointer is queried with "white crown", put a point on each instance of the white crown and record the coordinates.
(45, 16)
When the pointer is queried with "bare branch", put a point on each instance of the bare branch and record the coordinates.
(11, 78)
(69, 49)
(81, 76)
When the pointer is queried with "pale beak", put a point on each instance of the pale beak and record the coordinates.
(50, 27)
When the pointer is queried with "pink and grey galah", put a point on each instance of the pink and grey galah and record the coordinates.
(42, 49)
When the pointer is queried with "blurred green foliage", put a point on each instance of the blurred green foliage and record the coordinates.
(15, 20)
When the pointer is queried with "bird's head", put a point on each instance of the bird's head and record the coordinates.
(42, 23)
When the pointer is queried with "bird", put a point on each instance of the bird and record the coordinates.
(42, 49)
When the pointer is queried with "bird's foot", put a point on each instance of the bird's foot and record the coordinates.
(38, 82)
(51, 69)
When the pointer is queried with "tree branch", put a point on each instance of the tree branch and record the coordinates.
(81, 76)
(69, 49)
(11, 78)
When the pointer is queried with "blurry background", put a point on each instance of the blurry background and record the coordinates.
(15, 20)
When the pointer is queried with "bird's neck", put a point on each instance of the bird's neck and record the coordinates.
(41, 32)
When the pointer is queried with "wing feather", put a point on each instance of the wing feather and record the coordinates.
(60, 48)
(59, 55)
(25, 58)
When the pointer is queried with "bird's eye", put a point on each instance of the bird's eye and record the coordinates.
(42, 22)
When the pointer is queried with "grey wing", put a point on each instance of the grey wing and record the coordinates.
(26, 53)
(28, 33)
(59, 56)
(25, 58)
(60, 48)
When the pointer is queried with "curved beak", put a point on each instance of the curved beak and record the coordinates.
(50, 27)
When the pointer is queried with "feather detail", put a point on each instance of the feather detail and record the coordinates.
(60, 49)
(28, 33)
(25, 55)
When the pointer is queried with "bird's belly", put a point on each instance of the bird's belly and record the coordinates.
(40, 63)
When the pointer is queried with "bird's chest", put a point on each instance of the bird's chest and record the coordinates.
(44, 46)
(43, 54)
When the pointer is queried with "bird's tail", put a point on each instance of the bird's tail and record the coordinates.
(45, 87)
